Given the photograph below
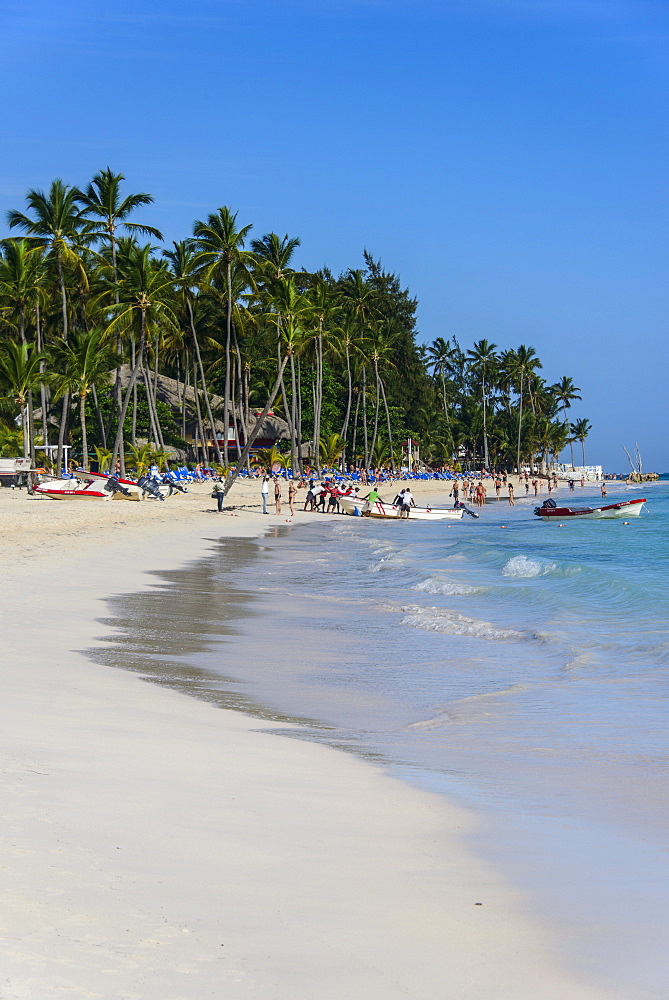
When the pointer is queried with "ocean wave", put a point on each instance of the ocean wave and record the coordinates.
(434, 586)
(525, 568)
(453, 623)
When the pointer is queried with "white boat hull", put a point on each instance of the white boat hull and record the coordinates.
(70, 489)
(389, 512)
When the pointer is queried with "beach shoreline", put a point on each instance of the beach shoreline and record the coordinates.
(156, 846)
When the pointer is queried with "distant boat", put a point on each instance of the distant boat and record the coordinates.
(549, 511)
(386, 510)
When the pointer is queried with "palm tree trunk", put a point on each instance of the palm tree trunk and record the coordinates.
(134, 393)
(42, 388)
(390, 433)
(520, 421)
(66, 396)
(486, 458)
(118, 443)
(98, 412)
(344, 430)
(256, 429)
(319, 394)
(207, 400)
(31, 430)
(364, 414)
(184, 402)
(24, 428)
(355, 426)
(200, 426)
(84, 438)
(300, 457)
(293, 402)
(378, 405)
(226, 399)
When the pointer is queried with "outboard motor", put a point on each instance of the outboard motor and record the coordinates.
(113, 486)
(547, 504)
(150, 486)
(176, 485)
(460, 506)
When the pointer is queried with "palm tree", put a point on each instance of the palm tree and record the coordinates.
(294, 337)
(331, 449)
(86, 361)
(565, 392)
(145, 288)
(21, 281)
(580, 429)
(107, 212)
(482, 361)
(521, 366)
(185, 269)
(219, 243)
(59, 228)
(440, 355)
(323, 306)
(20, 374)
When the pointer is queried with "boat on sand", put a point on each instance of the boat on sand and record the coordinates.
(549, 511)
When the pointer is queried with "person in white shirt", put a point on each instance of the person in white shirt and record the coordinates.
(407, 503)
(264, 492)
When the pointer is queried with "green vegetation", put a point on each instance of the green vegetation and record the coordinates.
(91, 317)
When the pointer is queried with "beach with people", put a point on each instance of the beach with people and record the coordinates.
(190, 792)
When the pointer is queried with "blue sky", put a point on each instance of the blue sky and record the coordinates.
(509, 158)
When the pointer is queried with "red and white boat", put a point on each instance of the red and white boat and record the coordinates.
(549, 511)
(71, 489)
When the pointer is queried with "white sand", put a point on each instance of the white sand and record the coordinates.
(156, 847)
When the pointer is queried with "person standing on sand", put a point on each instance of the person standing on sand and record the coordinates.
(498, 486)
(512, 502)
(535, 484)
(277, 495)
(292, 493)
(264, 493)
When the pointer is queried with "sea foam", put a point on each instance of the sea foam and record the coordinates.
(525, 568)
(453, 623)
(447, 587)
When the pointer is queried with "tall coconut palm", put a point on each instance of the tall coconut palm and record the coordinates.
(566, 392)
(108, 212)
(85, 360)
(219, 244)
(20, 374)
(440, 356)
(146, 297)
(295, 334)
(580, 430)
(59, 227)
(185, 268)
(521, 367)
(323, 306)
(482, 360)
(21, 282)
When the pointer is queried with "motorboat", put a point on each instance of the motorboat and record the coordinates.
(71, 489)
(377, 508)
(549, 511)
(121, 489)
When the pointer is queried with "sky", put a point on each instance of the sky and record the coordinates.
(508, 158)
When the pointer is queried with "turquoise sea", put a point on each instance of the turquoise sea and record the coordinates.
(519, 667)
